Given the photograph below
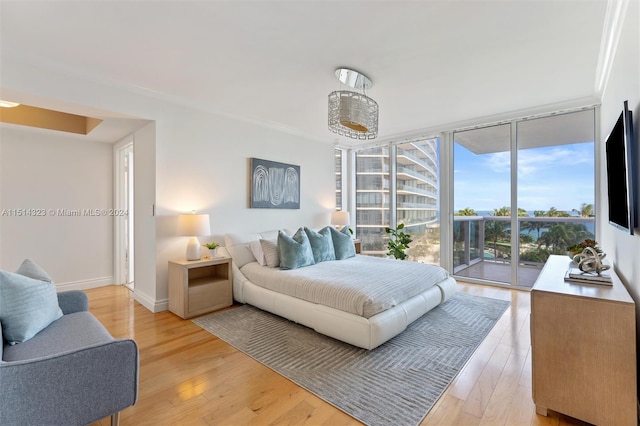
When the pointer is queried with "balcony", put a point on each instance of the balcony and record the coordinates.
(482, 245)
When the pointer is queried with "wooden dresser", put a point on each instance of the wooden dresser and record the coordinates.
(583, 341)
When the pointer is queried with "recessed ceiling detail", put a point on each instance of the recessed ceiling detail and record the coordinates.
(8, 104)
(26, 115)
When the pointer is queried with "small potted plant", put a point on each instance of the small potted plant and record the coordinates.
(213, 248)
(574, 249)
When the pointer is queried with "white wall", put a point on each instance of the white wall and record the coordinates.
(186, 160)
(52, 172)
(203, 165)
(144, 223)
(623, 84)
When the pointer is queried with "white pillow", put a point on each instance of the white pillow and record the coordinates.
(271, 253)
(256, 249)
(238, 247)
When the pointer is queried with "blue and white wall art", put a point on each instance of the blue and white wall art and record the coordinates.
(274, 185)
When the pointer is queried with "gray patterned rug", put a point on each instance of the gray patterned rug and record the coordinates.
(396, 383)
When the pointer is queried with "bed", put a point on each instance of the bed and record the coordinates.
(373, 304)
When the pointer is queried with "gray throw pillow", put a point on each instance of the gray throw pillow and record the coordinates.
(31, 270)
(321, 244)
(271, 253)
(295, 252)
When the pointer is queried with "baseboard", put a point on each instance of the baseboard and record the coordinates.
(84, 284)
(146, 301)
(151, 304)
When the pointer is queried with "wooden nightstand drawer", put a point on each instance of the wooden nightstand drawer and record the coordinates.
(209, 296)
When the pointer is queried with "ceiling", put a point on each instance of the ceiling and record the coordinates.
(432, 63)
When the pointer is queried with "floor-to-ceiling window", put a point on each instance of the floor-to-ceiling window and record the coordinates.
(520, 191)
(372, 199)
(413, 183)
(542, 169)
(339, 182)
(417, 201)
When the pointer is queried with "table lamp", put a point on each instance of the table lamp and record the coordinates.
(340, 219)
(193, 225)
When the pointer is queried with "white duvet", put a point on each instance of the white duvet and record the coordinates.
(361, 285)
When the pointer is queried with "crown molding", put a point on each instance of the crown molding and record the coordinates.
(612, 28)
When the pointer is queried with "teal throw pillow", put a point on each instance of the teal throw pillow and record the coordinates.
(27, 305)
(321, 244)
(342, 244)
(295, 252)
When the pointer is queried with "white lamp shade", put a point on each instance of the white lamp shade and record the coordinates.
(193, 225)
(340, 218)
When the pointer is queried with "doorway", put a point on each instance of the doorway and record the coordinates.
(123, 217)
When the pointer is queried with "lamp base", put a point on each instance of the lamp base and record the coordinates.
(193, 249)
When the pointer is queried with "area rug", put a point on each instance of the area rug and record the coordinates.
(395, 384)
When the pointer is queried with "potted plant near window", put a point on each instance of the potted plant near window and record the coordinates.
(398, 242)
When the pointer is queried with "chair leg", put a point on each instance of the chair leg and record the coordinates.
(115, 419)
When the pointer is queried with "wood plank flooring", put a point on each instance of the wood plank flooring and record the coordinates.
(190, 377)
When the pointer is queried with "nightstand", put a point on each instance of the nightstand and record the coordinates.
(358, 244)
(197, 287)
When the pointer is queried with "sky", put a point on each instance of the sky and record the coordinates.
(557, 176)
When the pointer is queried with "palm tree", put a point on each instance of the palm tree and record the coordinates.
(539, 255)
(467, 211)
(558, 237)
(502, 211)
(537, 226)
(586, 210)
(553, 212)
(495, 231)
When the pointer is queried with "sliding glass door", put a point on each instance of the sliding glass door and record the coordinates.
(556, 188)
(522, 191)
(482, 203)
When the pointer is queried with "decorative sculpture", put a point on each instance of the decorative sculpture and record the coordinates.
(591, 261)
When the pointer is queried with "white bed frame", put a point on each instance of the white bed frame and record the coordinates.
(366, 333)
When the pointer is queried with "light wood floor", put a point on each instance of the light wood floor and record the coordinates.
(190, 377)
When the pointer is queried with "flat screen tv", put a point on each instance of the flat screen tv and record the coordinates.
(621, 170)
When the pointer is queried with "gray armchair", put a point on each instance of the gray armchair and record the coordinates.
(71, 373)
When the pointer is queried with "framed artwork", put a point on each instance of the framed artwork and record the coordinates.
(274, 185)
